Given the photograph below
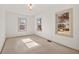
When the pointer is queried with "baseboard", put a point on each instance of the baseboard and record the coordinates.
(66, 46)
(59, 43)
(3, 46)
(18, 36)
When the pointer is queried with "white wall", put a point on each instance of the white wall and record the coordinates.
(12, 24)
(48, 26)
(2, 28)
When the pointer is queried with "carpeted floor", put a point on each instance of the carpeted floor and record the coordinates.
(18, 46)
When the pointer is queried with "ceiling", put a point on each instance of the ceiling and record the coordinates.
(37, 8)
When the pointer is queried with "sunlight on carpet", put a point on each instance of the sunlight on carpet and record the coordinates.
(30, 43)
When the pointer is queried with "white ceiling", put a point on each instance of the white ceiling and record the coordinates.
(23, 9)
(37, 8)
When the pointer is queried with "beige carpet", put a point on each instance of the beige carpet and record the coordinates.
(35, 45)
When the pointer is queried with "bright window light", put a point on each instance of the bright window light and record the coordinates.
(30, 43)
